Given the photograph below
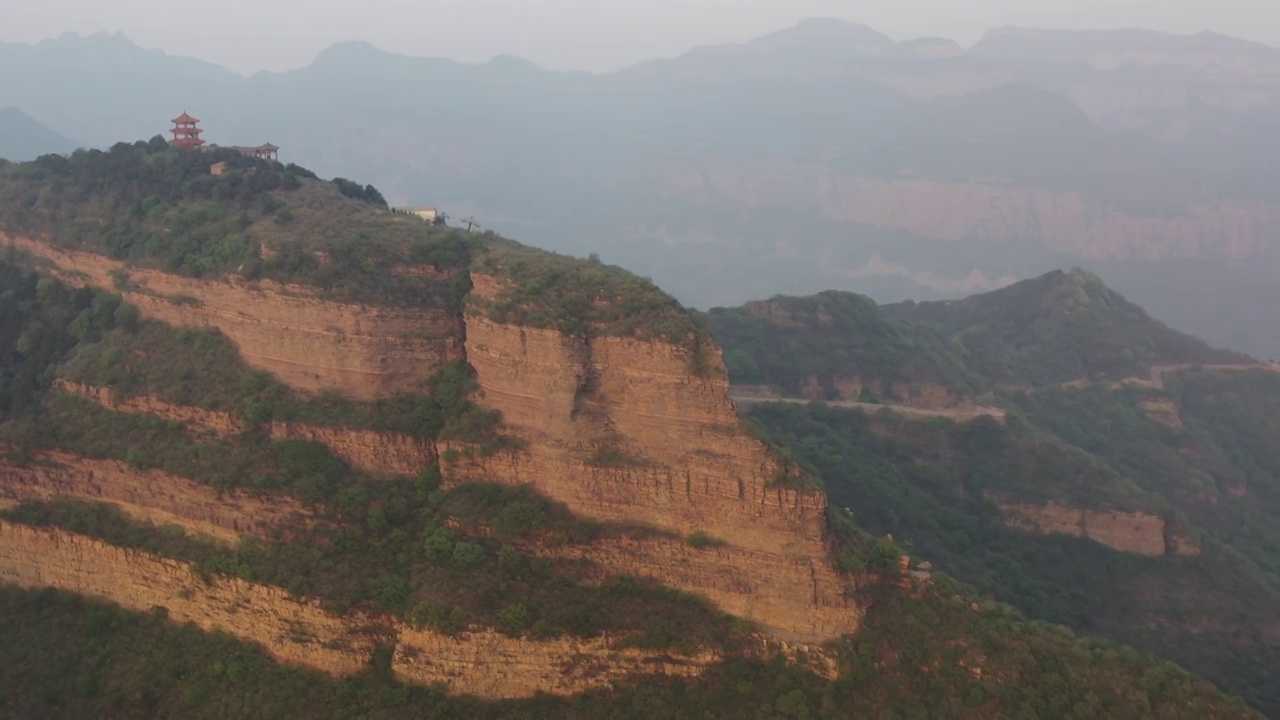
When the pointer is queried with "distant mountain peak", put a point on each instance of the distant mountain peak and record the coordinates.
(825, 31)
(22, 137)
(347, 50)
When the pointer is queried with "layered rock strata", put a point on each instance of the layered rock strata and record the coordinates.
(1131, 532)
(746, 583)
(310, 343)
(150, 495)
(374, 451)
(297, 630)
(619, 429)
(622, 430)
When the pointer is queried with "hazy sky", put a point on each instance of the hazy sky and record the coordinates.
(248, 35)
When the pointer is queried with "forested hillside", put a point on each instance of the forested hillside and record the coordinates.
(311, 501)
(1120, 502)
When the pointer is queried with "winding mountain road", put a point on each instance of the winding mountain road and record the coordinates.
(959, 415)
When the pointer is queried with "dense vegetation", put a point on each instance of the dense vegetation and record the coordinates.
(1199, 453)
(444, 559)
(41, 323)
(383, 544)
(585, 298)
(202, 368)
(1057, 328)
(786, 341)
(388, 547)
(71, 657)
(931, 485)
(155, 206)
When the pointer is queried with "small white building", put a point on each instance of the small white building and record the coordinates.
(426, 213)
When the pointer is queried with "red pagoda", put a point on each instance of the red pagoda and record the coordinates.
(186, 134)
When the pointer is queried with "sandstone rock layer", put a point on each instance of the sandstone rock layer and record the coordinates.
(299, 631)
(312, 344)
(1131, 532)
(149, 495)
(374, 451)
(619, 429)
(622, 430)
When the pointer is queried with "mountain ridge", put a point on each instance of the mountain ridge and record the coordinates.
(593, 494)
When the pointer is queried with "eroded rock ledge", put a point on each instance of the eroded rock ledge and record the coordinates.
(1131, 532)
(296, 630)
(310, 343)
(370, 450)
(674, 453)
(150, 495)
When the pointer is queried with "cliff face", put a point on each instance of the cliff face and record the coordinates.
(384, 452)
(291, 630)
(297, 630)
(492, 665)
(747, 583)
(1068, 221)
(149, 495)
(1135, 532)
(312, 344)
(621, 430)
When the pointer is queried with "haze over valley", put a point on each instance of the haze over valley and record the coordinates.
(821, 156)
(825, 375)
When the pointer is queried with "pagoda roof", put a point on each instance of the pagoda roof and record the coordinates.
(185, 118)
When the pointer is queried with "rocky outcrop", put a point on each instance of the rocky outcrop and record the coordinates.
(371, 450)
(620, 430)
(383, 452)
(196, 420)
(1131, 532)
(150, 495)
(299, 631)
(292, 630)
(310, 343)
(1161, 410)
(492, 665)
(746, 583)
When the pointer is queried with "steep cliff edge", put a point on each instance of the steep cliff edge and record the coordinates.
(311, 343)
(375, 451)
(622, 429)
(297, 630)
(149, 495)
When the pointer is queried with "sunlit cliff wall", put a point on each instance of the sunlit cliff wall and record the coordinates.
(299, 631)
(624, 430)
(149, 495)
(619, 429)
(374, 451)
(312, 344)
